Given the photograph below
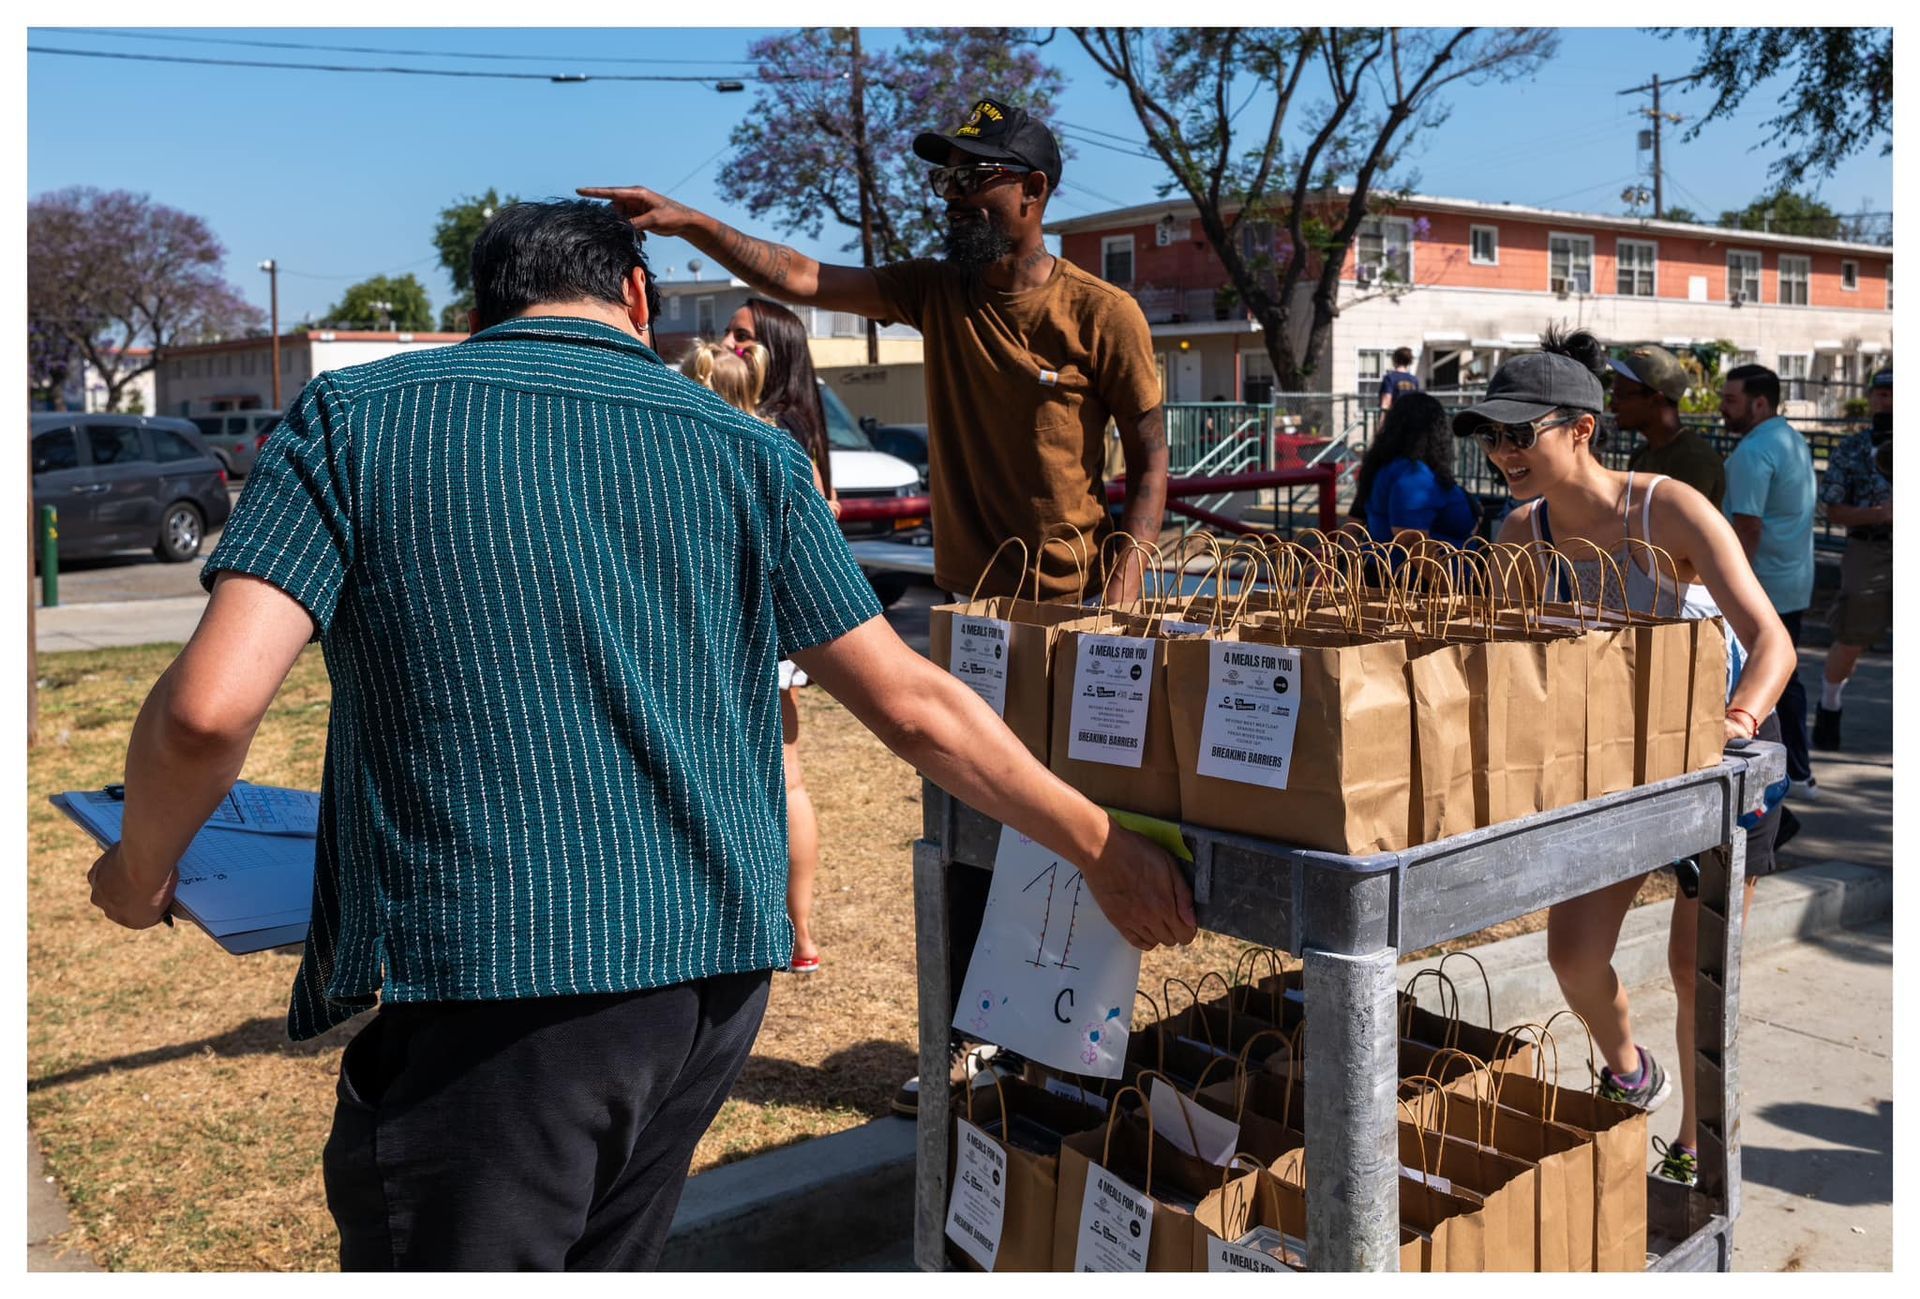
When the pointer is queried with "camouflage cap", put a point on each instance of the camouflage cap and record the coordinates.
(1656, 368)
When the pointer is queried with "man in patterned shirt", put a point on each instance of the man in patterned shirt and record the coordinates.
(1859, 497)
(552, 580)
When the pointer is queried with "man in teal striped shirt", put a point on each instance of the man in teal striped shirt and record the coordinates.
(552, 580)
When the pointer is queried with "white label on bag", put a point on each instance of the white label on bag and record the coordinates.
(1173, 627)
(981, 647)
(1253, 708)
(1075, 1092)
(978, 1204)
(1223, 1256)
(1183, 1122)
(1112, 679)
(1116, 1224)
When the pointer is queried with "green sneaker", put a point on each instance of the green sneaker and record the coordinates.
(1677, 1163)
(1649, 1095)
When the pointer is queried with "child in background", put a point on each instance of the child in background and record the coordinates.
(738, 376)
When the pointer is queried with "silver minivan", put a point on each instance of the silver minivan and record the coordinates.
(236, 436)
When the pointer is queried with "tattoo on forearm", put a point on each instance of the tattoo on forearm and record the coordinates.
(761, 263)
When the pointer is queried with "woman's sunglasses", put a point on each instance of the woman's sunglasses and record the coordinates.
(1520, 437)
(969, 177)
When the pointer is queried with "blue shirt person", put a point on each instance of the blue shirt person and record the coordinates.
(1770, 493)
(1406, 477)
(552, 580)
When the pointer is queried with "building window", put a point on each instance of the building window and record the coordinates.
(1570, 263)
(1485, 241)
(703, 317)
(1637, 259)
(673, 307)
(226, 366)
(1796, 274)
(1116, 260)
(1373, 364)
(1850, 276)
(1793, 370)
(1256, 378)
(1743, 277)
(1383, 251)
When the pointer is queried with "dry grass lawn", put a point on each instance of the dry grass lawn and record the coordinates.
(186, 1130)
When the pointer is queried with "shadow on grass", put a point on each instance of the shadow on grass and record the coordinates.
(263, 1036)
(845, 1078)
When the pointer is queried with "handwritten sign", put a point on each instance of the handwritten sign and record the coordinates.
(1050, 977)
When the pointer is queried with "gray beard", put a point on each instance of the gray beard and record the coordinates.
(976, 245)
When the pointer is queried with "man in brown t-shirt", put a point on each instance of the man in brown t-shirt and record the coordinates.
(1027, 355)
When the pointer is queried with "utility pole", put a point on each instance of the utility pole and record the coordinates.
(272, 268)
(1659, 119)
(863, 171)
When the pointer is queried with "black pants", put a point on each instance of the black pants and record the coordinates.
(1792, 710)
(531, 1135)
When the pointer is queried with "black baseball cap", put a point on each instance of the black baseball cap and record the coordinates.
(1529, 386)
(997, 132)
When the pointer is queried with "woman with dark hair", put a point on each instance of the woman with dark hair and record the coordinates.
(1539, 425)
(1406, 480)
(791, 399)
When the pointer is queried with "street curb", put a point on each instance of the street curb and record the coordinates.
(835, 1199)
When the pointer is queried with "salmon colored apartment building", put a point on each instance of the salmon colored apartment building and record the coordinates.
(1465, 284)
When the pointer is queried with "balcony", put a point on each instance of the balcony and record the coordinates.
(1175, 306)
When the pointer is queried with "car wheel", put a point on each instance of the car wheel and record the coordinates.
(889, 587)
(181, 529)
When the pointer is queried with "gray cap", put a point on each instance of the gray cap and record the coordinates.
(1531, 385)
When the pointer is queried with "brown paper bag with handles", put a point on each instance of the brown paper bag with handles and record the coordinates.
(1662, 659)
(1609, 641)
(1028, 712)
(1262, 1104)
(1260, 1199)
(1127, 1147)
(1563, 1214)
(1707, 694)
(1619, 1136)
(1423, 1033)
(1029, 1123)
(1510, 734)
(1150, 786)
(1442, 801)
(1349, 772)
(1505, 1187)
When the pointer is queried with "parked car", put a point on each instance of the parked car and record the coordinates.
(861, 471)
(907, 442)
(126, 482)
(236, 436)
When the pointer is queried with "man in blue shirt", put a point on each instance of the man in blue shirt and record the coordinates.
(1399, 379)
(552, 579)
(1770, 495)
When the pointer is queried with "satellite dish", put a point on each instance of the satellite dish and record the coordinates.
(695, 266)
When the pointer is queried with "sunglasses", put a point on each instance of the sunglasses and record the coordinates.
(1520, 437)
(969, 177)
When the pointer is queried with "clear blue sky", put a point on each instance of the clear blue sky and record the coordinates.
(340, 176)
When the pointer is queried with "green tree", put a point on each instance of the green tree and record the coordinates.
(384, 302)
(1786, 213)
(1839, 101)
(454, 234)
(1684, 215)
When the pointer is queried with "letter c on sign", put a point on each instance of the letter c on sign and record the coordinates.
(1068, 994)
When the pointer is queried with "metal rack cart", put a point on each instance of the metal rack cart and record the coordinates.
(1350, 918)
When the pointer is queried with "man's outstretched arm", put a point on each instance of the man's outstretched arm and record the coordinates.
(774, 269)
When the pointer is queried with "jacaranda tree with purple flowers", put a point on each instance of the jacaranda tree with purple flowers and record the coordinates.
(794, 156)
(109, 271)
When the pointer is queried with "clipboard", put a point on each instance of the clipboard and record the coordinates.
(246, 879)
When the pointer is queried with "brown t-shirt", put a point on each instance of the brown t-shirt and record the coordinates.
(1688, 459)
(1019, 390)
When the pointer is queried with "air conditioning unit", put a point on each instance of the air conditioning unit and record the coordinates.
(1364, 275)
(1738, 298)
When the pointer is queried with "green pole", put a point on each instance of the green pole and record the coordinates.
(49, 557)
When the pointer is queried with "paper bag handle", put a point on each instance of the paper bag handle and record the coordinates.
(993, 559)
(1113, 1116)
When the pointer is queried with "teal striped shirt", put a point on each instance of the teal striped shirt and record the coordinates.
(552, 579)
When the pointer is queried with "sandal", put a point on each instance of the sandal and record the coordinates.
(804, 965)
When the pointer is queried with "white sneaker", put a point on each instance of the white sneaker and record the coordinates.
(1806, 793)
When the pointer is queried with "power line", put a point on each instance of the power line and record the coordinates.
(414, 72)
(1089, 130)
(1114, 148)
(317, 275)
(372, 49)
